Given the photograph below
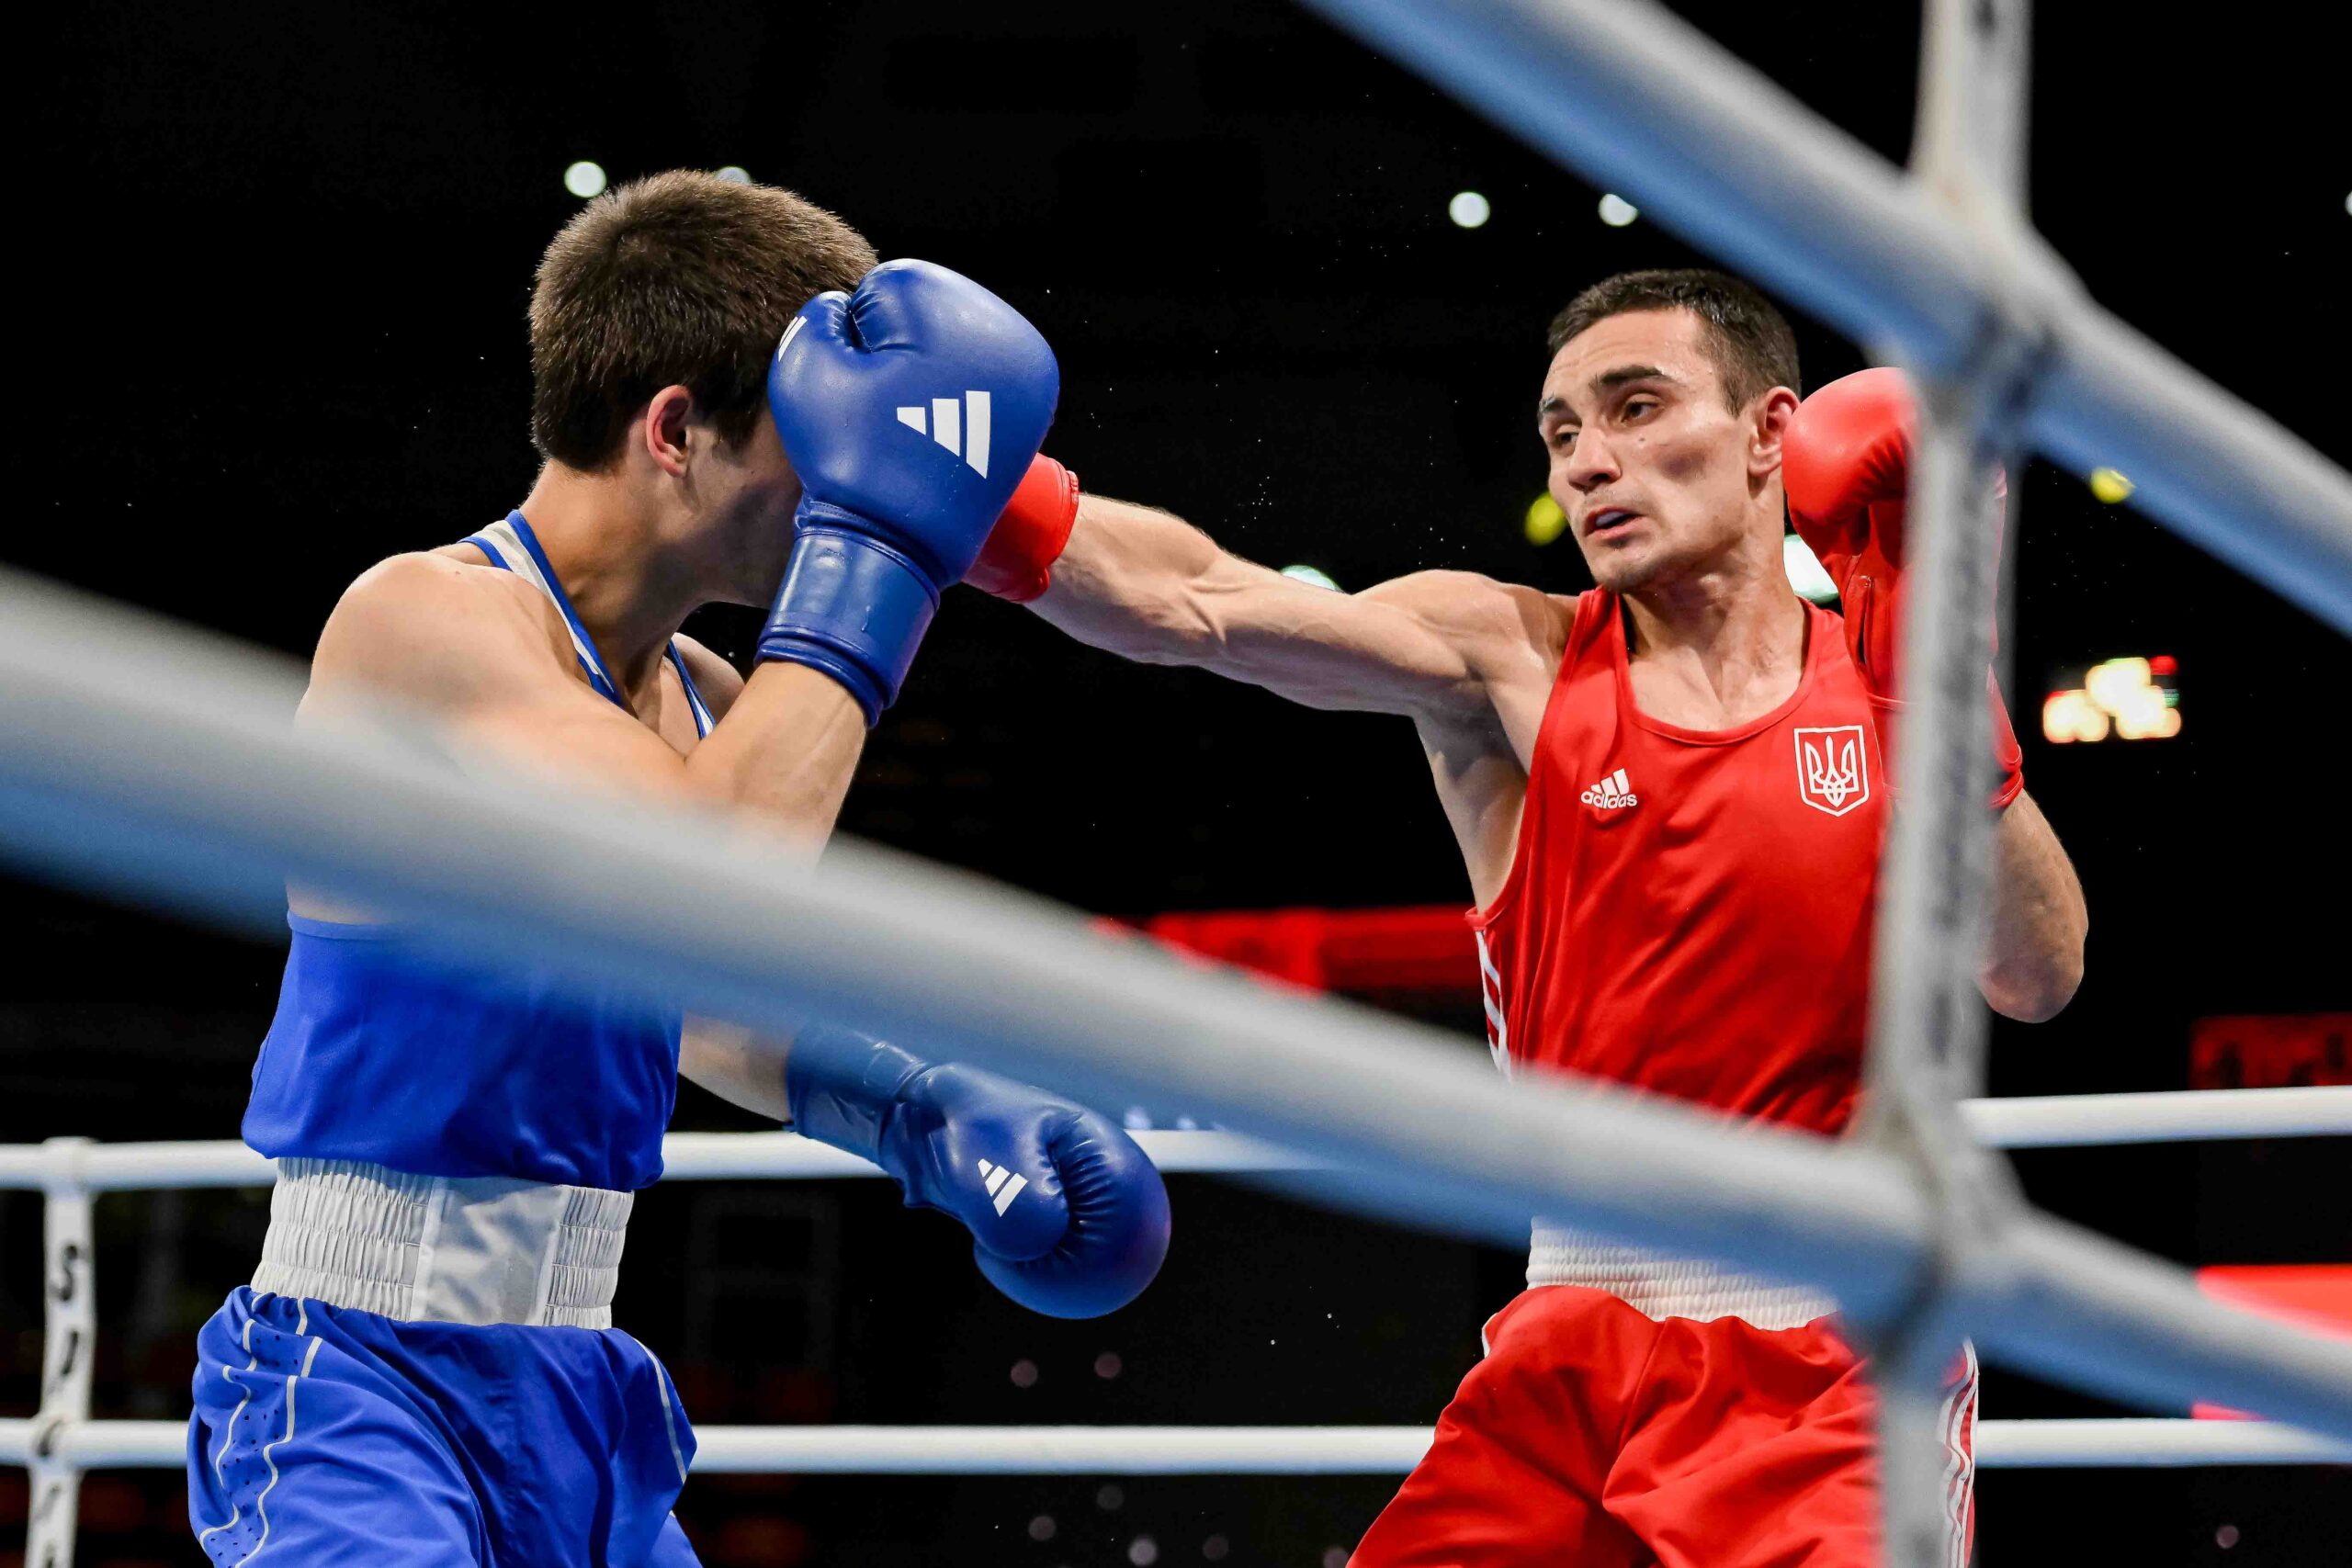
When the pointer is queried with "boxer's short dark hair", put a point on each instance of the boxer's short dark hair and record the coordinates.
(681, 278)
(1750, 341)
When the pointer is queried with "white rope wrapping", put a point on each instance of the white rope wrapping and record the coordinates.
(1237, 1450)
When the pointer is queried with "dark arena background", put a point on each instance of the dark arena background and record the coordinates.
(273, 265)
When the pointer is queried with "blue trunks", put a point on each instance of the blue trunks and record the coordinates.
(324, 1437)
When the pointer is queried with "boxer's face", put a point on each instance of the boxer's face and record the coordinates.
(750, 492)
(1651, 467)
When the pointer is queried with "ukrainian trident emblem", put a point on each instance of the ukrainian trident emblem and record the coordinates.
(1833, 770)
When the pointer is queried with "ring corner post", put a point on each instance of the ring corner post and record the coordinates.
(69, 1321)
(1928, 1028)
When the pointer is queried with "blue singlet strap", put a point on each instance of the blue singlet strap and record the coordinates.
(694, 696)
(502, 540)
(582, 644)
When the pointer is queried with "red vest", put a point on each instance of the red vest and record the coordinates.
(1689, 911)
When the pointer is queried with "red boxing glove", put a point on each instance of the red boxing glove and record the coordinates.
(1017, 562)
(1846, 464)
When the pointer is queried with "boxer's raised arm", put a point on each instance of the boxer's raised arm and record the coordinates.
(479, 652)
(1149, 586)
(2033, 951)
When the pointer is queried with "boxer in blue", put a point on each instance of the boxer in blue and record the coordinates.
(424, 1370)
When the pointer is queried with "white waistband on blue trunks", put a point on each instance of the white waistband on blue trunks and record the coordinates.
(1660, 1286)
(478, 1250)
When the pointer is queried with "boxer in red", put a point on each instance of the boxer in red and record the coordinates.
(1670, 793)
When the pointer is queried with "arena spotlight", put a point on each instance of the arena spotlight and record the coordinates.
(1546, 520)
(1469, 210)
(2121, 699)
(1314, 577)
(1616, 211)
(2110, 485)
(734, 175)
(584, 179)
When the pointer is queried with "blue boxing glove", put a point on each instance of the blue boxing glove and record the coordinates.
(1067, 1216)
(910, 410)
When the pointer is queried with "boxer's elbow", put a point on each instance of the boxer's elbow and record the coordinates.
(2033, 988)
(2033, 964)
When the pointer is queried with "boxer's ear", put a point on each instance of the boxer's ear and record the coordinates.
(667, 414)
(1768, 419)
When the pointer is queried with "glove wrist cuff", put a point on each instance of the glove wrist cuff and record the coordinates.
(1017, 562)
(1887, 712)
(841, 1085)
(852, 606)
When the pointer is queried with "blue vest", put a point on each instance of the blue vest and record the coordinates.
(375, 1055)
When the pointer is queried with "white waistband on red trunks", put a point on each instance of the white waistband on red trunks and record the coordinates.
(478, 1250)
(1660, 1286)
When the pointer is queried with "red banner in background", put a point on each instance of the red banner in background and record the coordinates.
(1424, 950)
(2285, 1050)
(2316, 1296)
(2278, 1051)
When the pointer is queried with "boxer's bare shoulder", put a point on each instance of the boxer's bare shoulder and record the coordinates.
(431, 634)
(433, 629)
(487, 655)
(1509, 639)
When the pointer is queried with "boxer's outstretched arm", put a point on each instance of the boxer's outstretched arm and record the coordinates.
(1149, 586)
(479, 652)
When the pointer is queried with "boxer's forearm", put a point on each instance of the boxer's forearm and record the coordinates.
(778, 761)
(2033, 957)
(1142, 583)
(740, 1067)
(1151, 587)
(784, 753)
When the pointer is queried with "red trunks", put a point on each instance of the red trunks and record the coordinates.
(1594, 1435)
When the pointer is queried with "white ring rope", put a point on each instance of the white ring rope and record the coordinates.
(148, 759)
(2066, 1120)
(2071, 1119)
(1237, 1450)
(2048, 1122)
